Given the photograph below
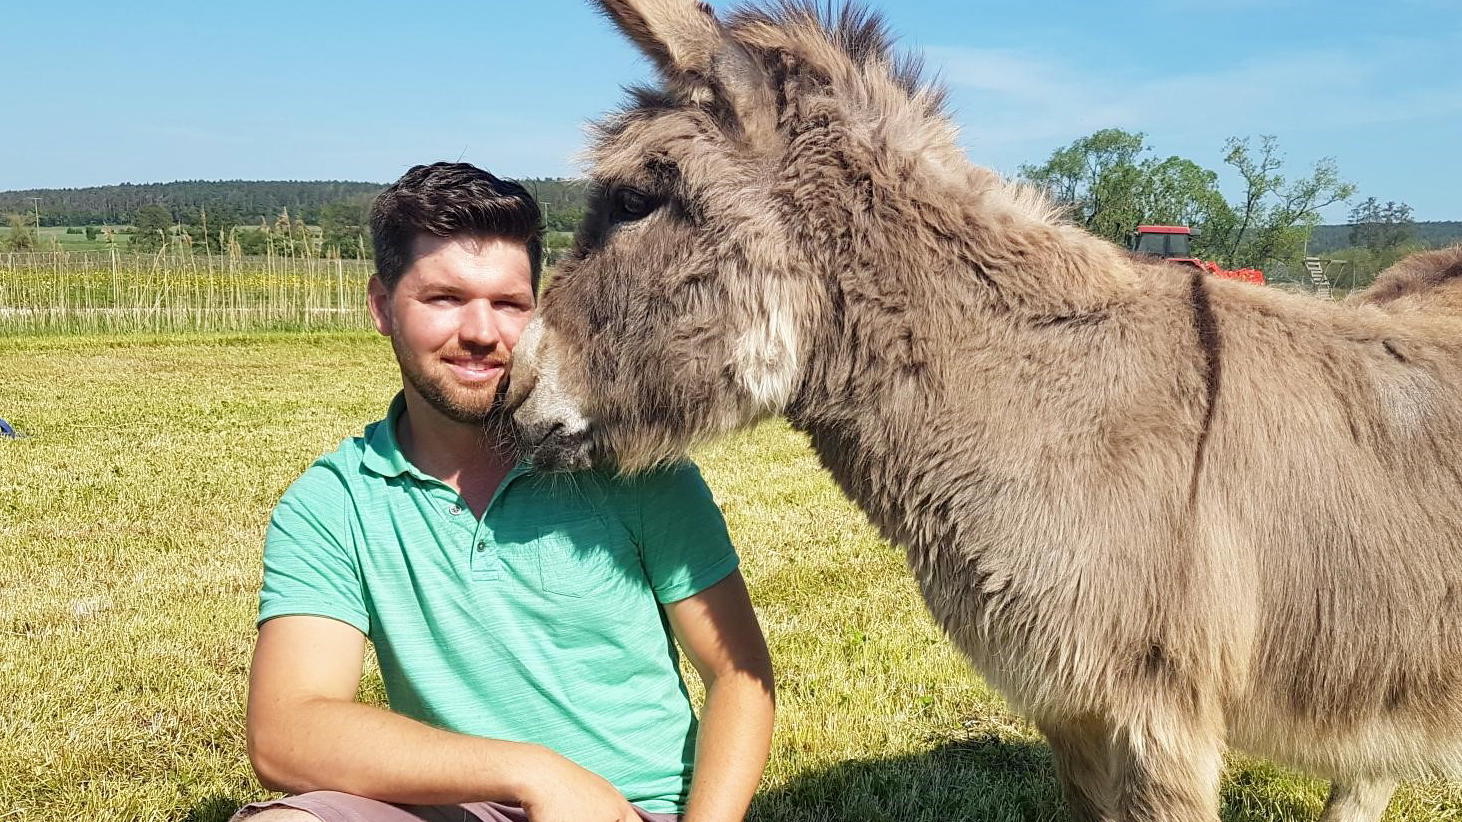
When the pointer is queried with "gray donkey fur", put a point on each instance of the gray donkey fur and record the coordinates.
(1163, 514)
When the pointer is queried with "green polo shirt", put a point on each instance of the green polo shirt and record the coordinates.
(541, 622)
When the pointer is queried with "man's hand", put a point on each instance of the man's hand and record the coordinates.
(564, 792)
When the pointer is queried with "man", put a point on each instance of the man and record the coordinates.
(526, 625)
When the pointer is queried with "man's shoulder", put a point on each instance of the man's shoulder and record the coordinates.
(332, 475)
(623, 498)
(674, 479)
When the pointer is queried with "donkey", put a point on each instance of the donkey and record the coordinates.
(1426, 280)
(1164, 514)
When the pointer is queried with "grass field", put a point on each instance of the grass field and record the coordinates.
(57, 236)
(130, 526)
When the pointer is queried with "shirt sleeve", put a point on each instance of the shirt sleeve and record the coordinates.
(682, 535)
(309, 562)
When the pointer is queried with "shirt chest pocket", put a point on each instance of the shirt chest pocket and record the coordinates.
(584, 556)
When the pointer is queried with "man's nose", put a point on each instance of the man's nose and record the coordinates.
(479, 324)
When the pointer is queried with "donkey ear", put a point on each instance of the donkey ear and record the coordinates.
(682, 37)
(695, 55)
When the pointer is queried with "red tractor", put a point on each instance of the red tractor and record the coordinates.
(1173, 243)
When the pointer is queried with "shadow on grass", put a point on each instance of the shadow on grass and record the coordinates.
(983, 778)
(989, 779)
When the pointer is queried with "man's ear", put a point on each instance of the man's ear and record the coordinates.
(378, 299)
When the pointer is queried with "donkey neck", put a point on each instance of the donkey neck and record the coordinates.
(934, 351)
(982, 274)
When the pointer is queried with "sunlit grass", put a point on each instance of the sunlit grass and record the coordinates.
(130, 528)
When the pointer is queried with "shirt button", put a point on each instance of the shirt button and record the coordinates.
(455, 510)
(482, 545)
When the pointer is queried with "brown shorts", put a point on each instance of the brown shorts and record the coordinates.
(333, 806)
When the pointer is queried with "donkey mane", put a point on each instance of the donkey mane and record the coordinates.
(799, 27)
(857, 31)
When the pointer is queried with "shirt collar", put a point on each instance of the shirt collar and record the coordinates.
(383, 454)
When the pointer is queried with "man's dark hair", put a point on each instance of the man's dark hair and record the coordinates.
(451, 200)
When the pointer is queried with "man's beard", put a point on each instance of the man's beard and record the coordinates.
(493, 418)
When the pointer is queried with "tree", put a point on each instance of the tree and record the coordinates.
(210, 227)
(1378, 227)
(1177, 191)
(252, 240)
(22, 236)
(565, 218)
(151, 228)
(556, 245)
(1095, 177)
(1111, 189)
(1275, 216)
(343, 228)
(91, 232)
(291, 237)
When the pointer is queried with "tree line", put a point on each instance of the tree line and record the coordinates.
(245, 217)
(245, 201)
(1110, 181)
(248, 199)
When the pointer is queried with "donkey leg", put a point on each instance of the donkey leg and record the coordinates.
(1082, 750)
(1167, 767)
(1360, 800)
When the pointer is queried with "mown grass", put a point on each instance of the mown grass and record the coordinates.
(130, 529)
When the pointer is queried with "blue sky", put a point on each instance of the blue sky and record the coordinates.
(157, 91)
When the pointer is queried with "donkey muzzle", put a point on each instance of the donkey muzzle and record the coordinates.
(552, 446)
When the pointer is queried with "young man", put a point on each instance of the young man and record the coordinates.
(526, 625)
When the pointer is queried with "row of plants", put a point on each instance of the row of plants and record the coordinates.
(173, 290)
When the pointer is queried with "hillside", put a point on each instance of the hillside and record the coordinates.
(1328, 238)
(564, 201)
(246, 200)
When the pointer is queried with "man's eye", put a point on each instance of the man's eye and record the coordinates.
(630, 205)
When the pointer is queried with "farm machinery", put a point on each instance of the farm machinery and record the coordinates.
(1173, 243)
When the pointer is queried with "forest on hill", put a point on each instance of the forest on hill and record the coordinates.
(1327, 239)
(1109, 182)
(246, 202)
(241, 201)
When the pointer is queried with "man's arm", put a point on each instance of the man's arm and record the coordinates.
(307, 732)
(718, 631)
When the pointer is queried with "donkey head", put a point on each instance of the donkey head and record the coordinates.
(698, 288)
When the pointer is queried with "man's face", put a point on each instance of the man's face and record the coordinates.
(453, 320)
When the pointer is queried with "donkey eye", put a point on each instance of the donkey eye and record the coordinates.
(630, 205)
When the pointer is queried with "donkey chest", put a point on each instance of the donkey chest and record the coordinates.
(974, 548)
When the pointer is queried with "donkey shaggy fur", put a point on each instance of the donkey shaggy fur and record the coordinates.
(1426, 281)
(1163, 514)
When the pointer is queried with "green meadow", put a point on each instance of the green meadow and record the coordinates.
(131, 520)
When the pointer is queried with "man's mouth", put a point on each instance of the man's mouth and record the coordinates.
(468, 369)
